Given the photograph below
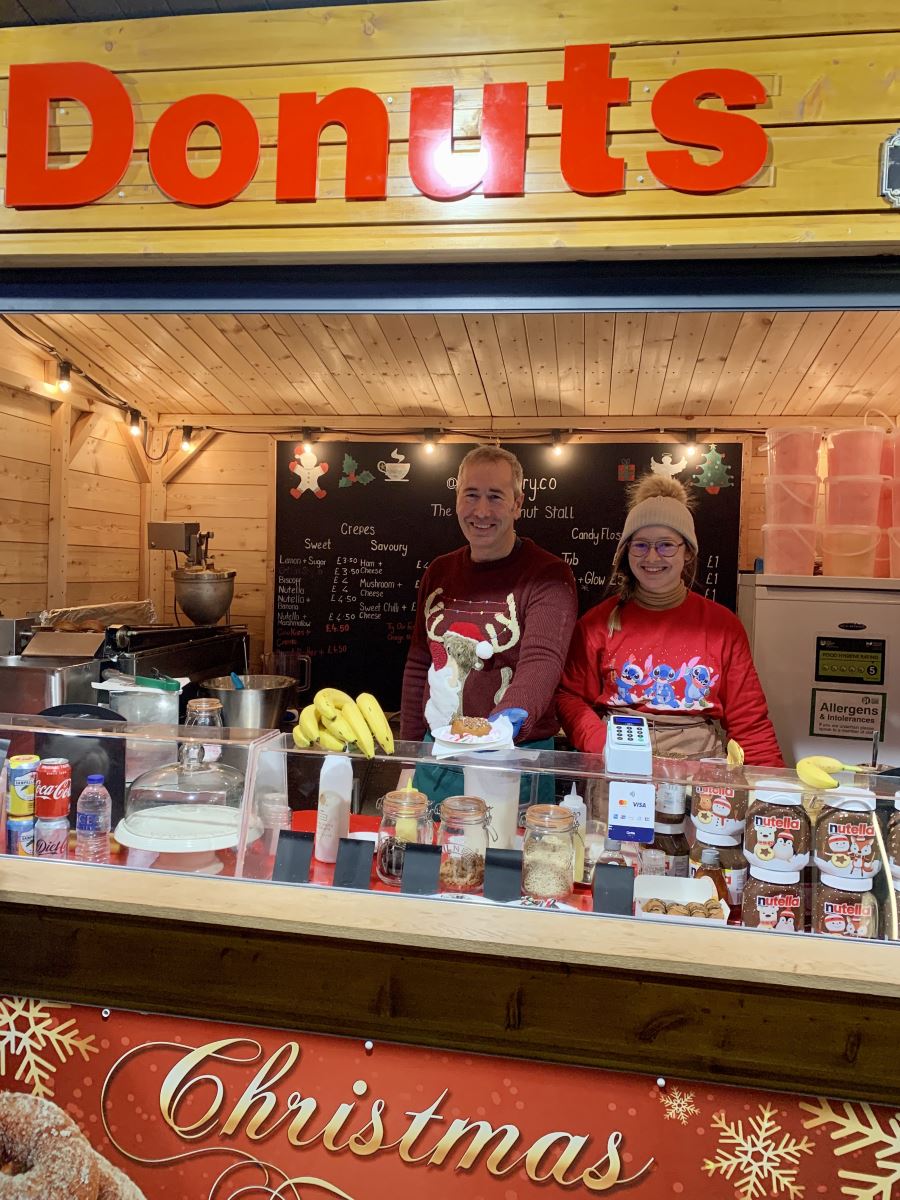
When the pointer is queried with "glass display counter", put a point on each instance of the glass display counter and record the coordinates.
(629, 975)
(701, 842)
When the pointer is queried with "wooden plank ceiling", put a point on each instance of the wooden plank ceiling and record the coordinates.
(736, 369)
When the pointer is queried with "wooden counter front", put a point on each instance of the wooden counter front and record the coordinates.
(799, 1014)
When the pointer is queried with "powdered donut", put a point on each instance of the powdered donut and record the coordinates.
(53, 1158)
(470, 726)
(114, 1185)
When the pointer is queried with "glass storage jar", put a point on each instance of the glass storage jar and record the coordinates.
(548, 852)
(404, 819)
(463, 837)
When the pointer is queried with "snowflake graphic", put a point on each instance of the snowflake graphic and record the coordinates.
(758, 1157)
(29, 1030)
(679, 1105)
(857, 1127)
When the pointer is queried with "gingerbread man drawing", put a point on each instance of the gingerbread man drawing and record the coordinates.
(307, 468)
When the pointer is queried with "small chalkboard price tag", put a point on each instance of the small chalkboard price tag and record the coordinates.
(421, 870)
(613, 890)
(353, 868)
(503, 875)
(293, 857)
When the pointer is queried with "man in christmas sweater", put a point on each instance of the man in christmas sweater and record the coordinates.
(493, 619)
(661, 650)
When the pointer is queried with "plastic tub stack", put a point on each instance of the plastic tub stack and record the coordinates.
(852, 537)
(792, 494)
(860, 536)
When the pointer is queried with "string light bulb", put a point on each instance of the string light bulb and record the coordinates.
(429, 439)
(134, 422)
(64, 375)
(556, 443)
(307, 439)
(186, 445)
(690, 443)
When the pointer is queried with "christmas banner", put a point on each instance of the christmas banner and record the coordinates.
(121, 1105)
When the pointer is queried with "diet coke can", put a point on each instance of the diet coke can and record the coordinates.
(53, 788)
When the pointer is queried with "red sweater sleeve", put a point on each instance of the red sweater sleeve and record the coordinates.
(745, 714)
(547, 623)
(415, 674)
(581, 685)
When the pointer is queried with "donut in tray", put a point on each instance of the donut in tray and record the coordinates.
(45, 1156)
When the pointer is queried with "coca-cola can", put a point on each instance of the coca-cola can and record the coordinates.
(53, 787)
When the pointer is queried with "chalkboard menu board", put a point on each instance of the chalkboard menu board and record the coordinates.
(358, 522)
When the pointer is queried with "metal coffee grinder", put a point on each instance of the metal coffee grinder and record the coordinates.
(202, 593)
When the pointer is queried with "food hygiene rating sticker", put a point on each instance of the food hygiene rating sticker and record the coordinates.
(851, 715)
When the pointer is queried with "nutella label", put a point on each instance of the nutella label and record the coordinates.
(778, 908)
(845, 914)
(845, 846)
(719, 810)
(777, 839)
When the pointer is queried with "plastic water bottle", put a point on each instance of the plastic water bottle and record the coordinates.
(92, 820)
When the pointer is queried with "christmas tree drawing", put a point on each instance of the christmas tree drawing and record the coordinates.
(714, 472)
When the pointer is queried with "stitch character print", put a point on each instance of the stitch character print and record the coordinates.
(663, 687)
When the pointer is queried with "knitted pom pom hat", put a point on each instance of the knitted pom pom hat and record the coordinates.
(658, 500)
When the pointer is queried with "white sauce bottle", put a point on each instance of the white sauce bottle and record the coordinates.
(333, 820)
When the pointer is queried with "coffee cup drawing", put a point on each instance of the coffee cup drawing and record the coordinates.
(396, 471)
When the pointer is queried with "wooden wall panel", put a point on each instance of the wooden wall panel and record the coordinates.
(828, 74)
(104, 520)
(226, 488)
(24, 502)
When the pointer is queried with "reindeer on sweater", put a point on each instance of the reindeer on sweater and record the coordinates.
(460, 649)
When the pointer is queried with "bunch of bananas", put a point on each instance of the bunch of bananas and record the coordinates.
(335, 721)
(816, 770)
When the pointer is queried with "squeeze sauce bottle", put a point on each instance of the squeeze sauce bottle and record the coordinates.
(577, 807)
(333, 818)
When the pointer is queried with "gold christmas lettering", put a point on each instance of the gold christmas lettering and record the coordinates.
(259, 1112)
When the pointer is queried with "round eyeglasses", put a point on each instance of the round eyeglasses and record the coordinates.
(665, 549)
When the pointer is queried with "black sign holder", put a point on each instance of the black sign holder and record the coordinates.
(353, 868)
(293, 857)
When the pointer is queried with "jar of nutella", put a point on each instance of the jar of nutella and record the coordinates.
(671, 840)
(845, 907)
(731, 856)
(773, 900)
(845, 835)
(778, 832)
(893, 841)
(719, 802)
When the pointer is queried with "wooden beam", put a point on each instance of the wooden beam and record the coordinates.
(37, 388)
(173, 467)
(84, 426)
(364, 427)
(58, 522)
(138, 459)
(153, 508)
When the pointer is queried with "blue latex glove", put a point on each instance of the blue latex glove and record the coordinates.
(516, 717)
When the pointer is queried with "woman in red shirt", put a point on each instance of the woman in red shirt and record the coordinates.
(659, 649)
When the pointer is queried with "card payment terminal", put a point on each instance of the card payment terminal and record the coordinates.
(628, 750)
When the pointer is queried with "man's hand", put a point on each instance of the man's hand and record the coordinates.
(516, 717)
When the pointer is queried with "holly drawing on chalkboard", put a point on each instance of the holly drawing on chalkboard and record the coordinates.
(352, 473)
(308, 470)
(714, 472)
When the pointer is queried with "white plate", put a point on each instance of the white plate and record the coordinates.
(182, 828)
(491, 741)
